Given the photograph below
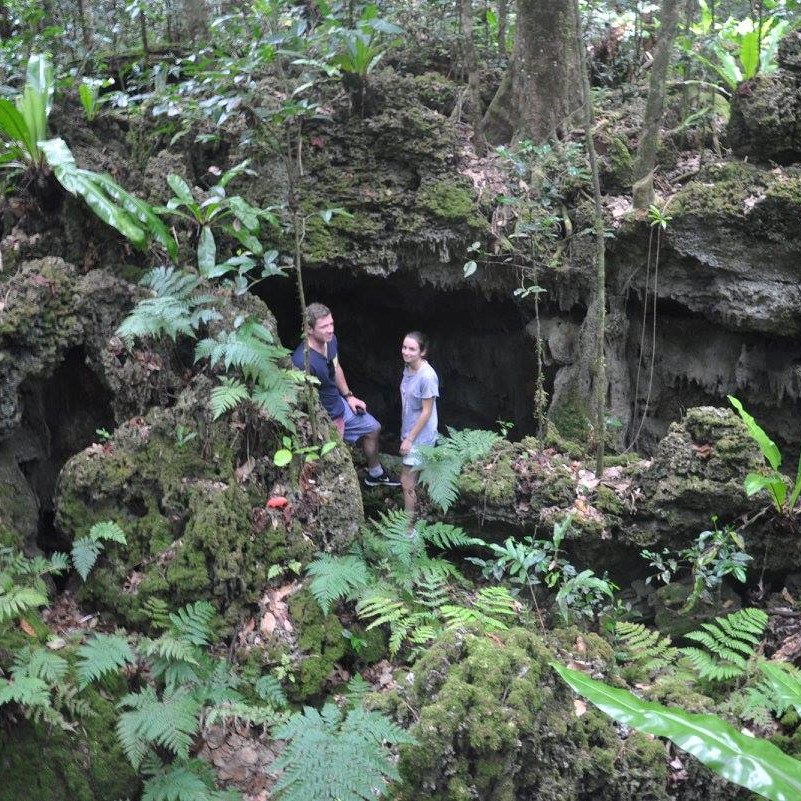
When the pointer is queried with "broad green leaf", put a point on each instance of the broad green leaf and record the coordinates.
(749, 54)
(14, 128)
(754, 483)
(469, 268)
(139, 209)
(206, 251)
(786, 685)
(282, 458)
(80, 182)
(766, 444)
(750, 762)
(245, 213)
(40, 79)
(796, 488)
(181, 189)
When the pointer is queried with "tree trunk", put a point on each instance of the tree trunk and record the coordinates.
(540, 90)
(471, 65)
(86, 31)
(645, 162)
(196, 19)
(503, 15)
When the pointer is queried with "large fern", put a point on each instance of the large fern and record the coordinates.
(178, 305)
(729, 642)
(648, 650)
(170, 722)
(443, 464)
(250, 350)
(337, 577)
(85, 550)
(103, 654)
(330, 759)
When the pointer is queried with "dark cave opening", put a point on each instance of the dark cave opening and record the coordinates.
(485, 360)
(60, 417)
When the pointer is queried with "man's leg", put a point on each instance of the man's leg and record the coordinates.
(369, 445)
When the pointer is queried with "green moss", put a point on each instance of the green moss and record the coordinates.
(719, 192)
(571, 418)
(492, 478)
(449, 199)
(494, 723)
(321, 642)
(38, 762)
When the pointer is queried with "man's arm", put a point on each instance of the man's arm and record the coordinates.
(356, 405)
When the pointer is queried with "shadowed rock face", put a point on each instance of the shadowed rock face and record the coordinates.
(765, 122)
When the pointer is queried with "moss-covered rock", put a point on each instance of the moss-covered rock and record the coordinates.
(494, 722)
(196, 528)
(84, 765)
(321, 644)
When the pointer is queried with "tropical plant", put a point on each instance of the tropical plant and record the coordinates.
(394, 582)
(85, 550)
(715, 554)
(531, 562)
(741, 758)
(231, 214)
(328, 758)
(730, 645)
(23, 132)
(738, 49)
(310, 453)
(774, 482)
(443, 464)
(89, 95)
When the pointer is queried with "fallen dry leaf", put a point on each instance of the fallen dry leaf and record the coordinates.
(579, 707)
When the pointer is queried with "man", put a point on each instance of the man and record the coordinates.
(348, 412)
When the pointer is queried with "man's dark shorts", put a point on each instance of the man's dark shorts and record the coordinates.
(356, 426)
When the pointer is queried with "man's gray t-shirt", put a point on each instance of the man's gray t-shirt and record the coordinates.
(415, 386)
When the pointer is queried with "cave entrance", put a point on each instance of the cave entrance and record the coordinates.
(60, 417)
(485, 361)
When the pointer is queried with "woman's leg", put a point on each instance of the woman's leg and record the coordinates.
(408, 480)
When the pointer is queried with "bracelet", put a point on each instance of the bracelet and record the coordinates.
(348, 394)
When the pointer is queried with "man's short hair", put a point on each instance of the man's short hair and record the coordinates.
(315, 312)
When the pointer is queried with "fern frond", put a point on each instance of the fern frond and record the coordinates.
(104, 653)
(85, 551)
(240, 712)
(784, 681)
(337, 577)
(28, 691)
(440, 475)
(170, 723)
(107, 530)
(170, 648)
(40, 663)
(730, 644)
(443, 464)
(446, 537)
(647, 649)
(328, 759)
(193, 622)
(227, 395)
(16, 600)
(431, 590)
(158, 611)
(269, 689)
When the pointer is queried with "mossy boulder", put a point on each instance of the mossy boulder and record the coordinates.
(698, 471)
(87, 764)
(195, 512)
(494, 722)
(765, 120)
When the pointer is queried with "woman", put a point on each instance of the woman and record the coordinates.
(419, 392)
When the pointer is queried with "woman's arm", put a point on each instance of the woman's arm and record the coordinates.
(425, 415)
